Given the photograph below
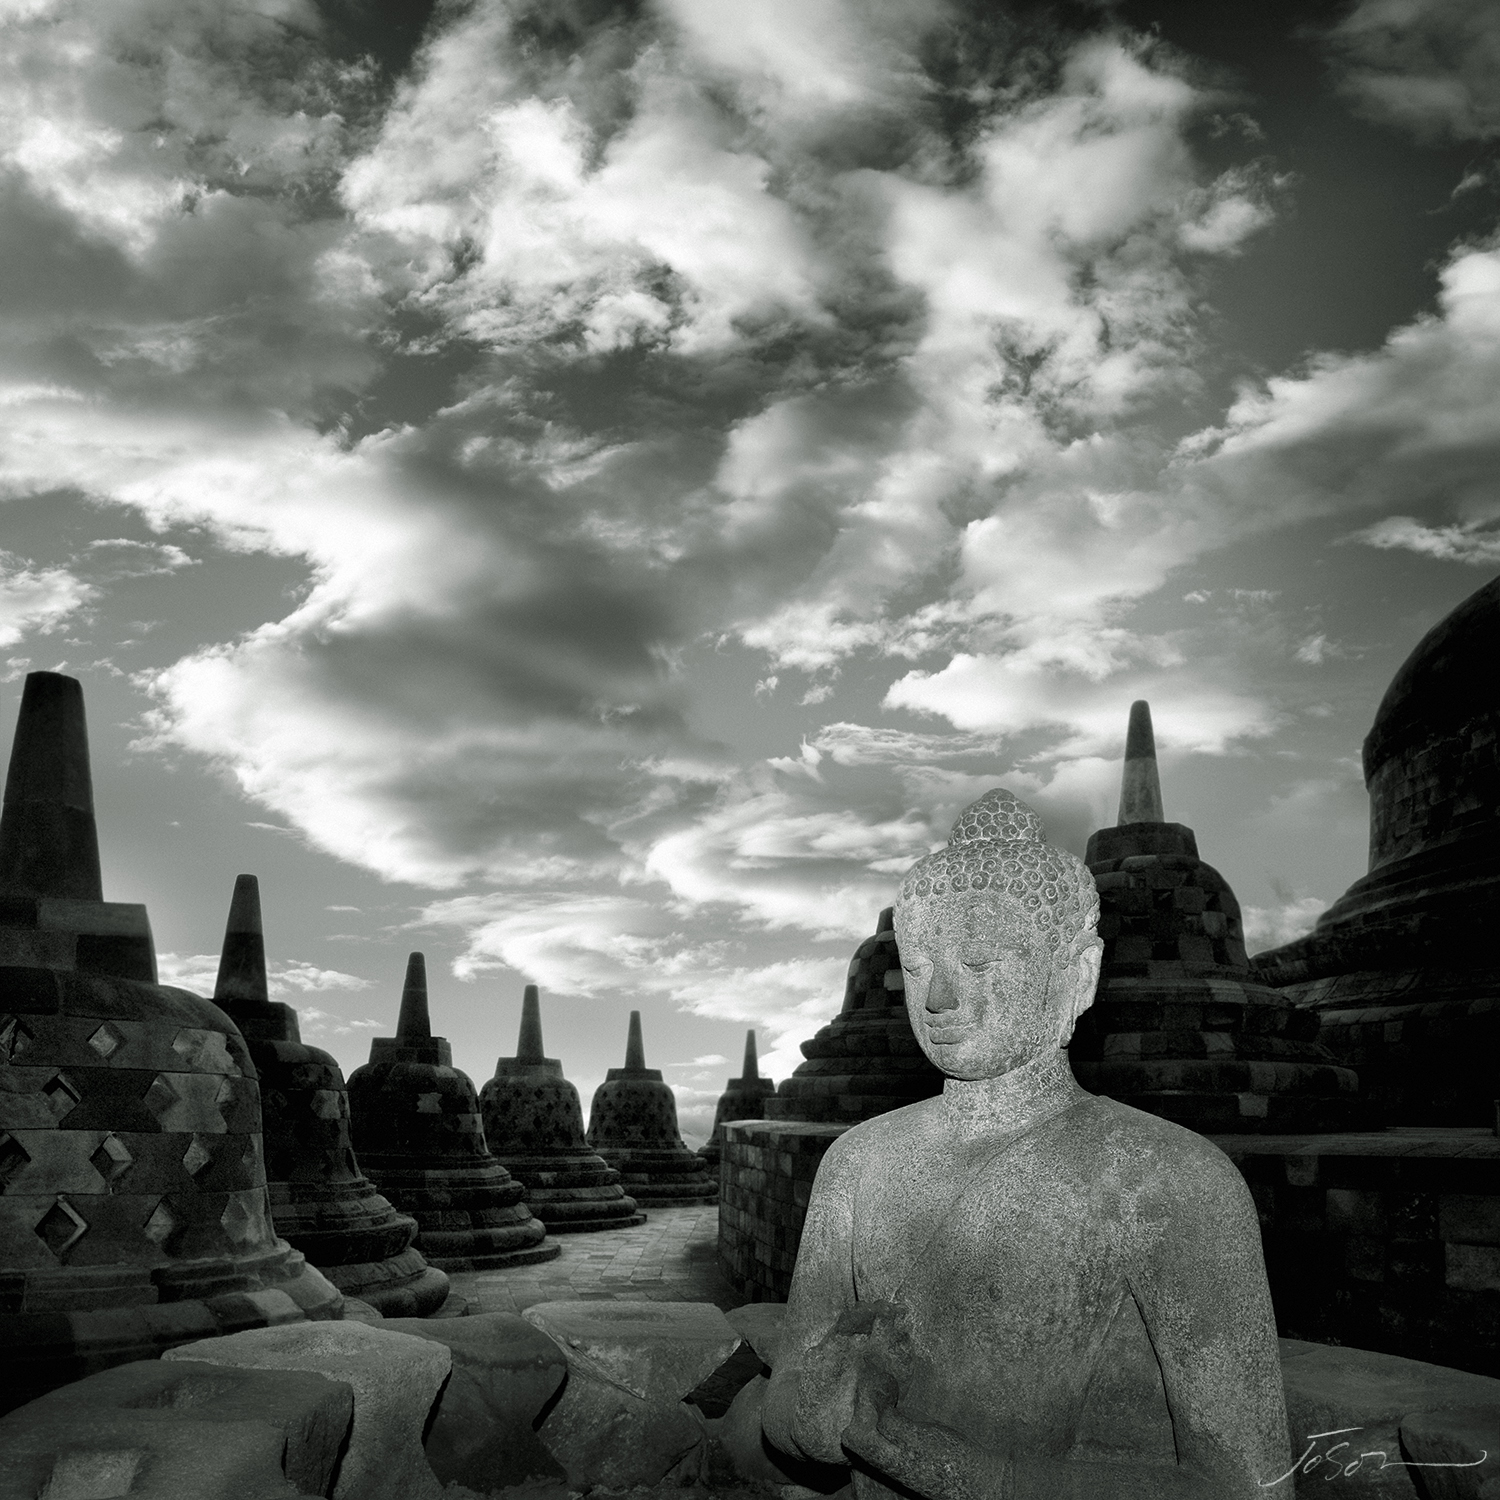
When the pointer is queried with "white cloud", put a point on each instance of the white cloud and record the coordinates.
(36, 599)
(1431, 65)
(1471, 542)
(285, 978)
(1271, 926)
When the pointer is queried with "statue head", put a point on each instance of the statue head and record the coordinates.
(998, 942)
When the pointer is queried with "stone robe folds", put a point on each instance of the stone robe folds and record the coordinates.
(1082, 1309)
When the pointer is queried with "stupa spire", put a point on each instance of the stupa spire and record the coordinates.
(529, 1043)
(1140, 786)
(242, 963)
(49, 845)
(413, 1023)
(635, 1048)
(751, 1068)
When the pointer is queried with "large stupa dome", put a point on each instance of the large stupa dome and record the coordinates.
(1403, 965)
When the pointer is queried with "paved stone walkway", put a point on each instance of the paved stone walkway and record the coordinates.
(669, 1258)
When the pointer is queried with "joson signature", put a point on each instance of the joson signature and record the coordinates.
(1342, 1466)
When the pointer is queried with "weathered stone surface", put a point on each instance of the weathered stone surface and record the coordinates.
(1180, 1026)
(633, 1126)
(133, 1203)
(754, 1460)
(420, 1137)
(1401, 970)
(1458, 1449)
(866, 1060)
(1330, 1389)
(310, 1412)
(505, 1371)
(1010, 1288)
(322, 1204)
(658, 1351)
(395, 1379)
(743, 1099)
(120, 1455)
(533, 1124)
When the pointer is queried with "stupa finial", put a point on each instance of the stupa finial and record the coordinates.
(751, 1068)
(242, 961)
(529, 1043)
(1140, 786)
(49, 845)
(413, 1024)
(635, 1048)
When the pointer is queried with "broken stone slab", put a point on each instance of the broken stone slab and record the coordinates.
(310, 1411)
(657, 1351)
(505, 1371)
(759, 1324)
(395, 1379)
(1330, 1389)
(602, 1434)
(61, 1456)
(1457, 1449)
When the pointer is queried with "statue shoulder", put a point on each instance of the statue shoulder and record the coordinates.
(887, 1137)
(1145, 1150)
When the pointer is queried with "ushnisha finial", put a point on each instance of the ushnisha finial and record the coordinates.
(635, 1049)
(414, 1024)
(998, 843)
(1140, 785)
(529, 1043)
(751, 1068)
(49, 845)
(242, 961)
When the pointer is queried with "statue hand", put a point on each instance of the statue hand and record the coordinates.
(926, 1457)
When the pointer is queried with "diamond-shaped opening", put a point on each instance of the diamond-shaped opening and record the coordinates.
(14, 1038)
(239, 1221)
(195, 1158)
(60, 1228)
(160, 1226)
(61, 1093)
(13, 1156)
(161, 1096)
(111, 1159)
(106, 1041)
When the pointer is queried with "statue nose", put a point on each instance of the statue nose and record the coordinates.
(940, 995)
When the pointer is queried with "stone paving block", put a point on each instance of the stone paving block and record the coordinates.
(504, 1373)
(395, 1379)
(655, 1350)
(311, 1412)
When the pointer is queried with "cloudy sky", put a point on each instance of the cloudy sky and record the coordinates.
(589, 488)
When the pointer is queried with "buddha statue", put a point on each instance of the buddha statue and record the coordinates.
(1015, 1288)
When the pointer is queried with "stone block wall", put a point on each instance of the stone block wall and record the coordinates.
(1387, 1241)
(765, 1180)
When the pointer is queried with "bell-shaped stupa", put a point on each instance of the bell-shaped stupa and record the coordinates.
(633, 1126)
(1401, 970)
(744, 1098)
(133, 1207)
(866, 1060)
(1180, 1026)
(321, 1202)
(420, 1139)
(533, 1122)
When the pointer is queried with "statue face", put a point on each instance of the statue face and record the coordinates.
(985, 991)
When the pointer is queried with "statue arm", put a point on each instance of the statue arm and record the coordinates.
(817, 1358)
(1201, 1286)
